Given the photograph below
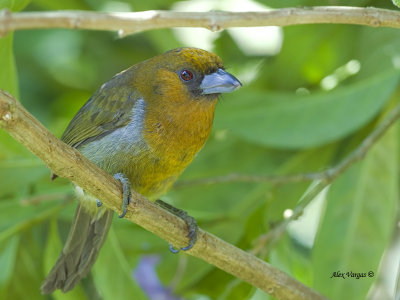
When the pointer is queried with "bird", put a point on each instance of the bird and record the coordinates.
(144, 126)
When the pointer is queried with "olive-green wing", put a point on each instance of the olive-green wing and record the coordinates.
(107, 110)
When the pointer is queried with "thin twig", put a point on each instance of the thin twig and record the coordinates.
(35, 200)
(329, 176)
(132, 22)
(69, 163)
(236, 177)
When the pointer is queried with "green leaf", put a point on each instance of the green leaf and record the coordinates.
(112, 274)
(8, 254)
(306, 57)
(171, 267)
(261, 295)
(358, 221)
(237, 289)
(377, 51)
(16, 218)
(17, 174)
(53, 246)
(14, 5)
(294, 3)
(60, 5)
(51, 253)
(292, 258)
(226, 283)
(8, 73)
(27, 276)
(290, 121)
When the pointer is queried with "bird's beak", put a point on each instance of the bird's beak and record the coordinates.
(219, 82)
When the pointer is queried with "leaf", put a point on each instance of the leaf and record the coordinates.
(60, 5)
(17, 174)
(26, 278)
(261, 295)
(308, 54)
(16, 218)
(14, 5)
(51, 253)
(293, 259)
(8, 73)
(8, 254)
(377, 51)
(290, 121)
(294, 3)
(358, 221)
(112, 274)
(220, 290)
(237, 289)
(53, 246)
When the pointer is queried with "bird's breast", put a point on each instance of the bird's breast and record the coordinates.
(177, 132)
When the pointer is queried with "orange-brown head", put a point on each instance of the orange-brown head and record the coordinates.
(183, 73)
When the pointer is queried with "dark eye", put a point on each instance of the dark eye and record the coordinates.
(186, 75)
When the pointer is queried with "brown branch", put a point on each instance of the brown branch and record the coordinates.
(132, 22)
(236, 177)
(328, 177)
(69, 163)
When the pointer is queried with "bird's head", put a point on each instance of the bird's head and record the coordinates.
(185, 74)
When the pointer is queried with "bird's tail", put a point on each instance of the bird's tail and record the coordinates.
(87, 234)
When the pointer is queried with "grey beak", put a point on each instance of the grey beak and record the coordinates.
(219, 82)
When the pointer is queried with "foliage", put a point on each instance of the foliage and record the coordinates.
(300, 110)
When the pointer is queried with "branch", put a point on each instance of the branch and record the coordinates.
(327, 177)
(69, 163)
(235, 177)
(132, 22)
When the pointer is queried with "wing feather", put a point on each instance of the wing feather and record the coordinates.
(107, 110)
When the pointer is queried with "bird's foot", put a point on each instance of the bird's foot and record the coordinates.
(190, 221)
(126, 192)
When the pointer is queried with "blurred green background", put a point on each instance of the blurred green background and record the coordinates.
(310, 94)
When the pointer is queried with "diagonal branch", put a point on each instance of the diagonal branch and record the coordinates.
(133, 22)
(236, 177)
(68, 162)
(327, 177)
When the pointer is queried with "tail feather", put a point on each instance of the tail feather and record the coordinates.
(86, 236)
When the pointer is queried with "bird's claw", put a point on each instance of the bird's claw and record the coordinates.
(124, 210)
(190, 222)
(172, 249)
(126, 192)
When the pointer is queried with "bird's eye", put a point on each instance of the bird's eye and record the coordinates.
(186, 75)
